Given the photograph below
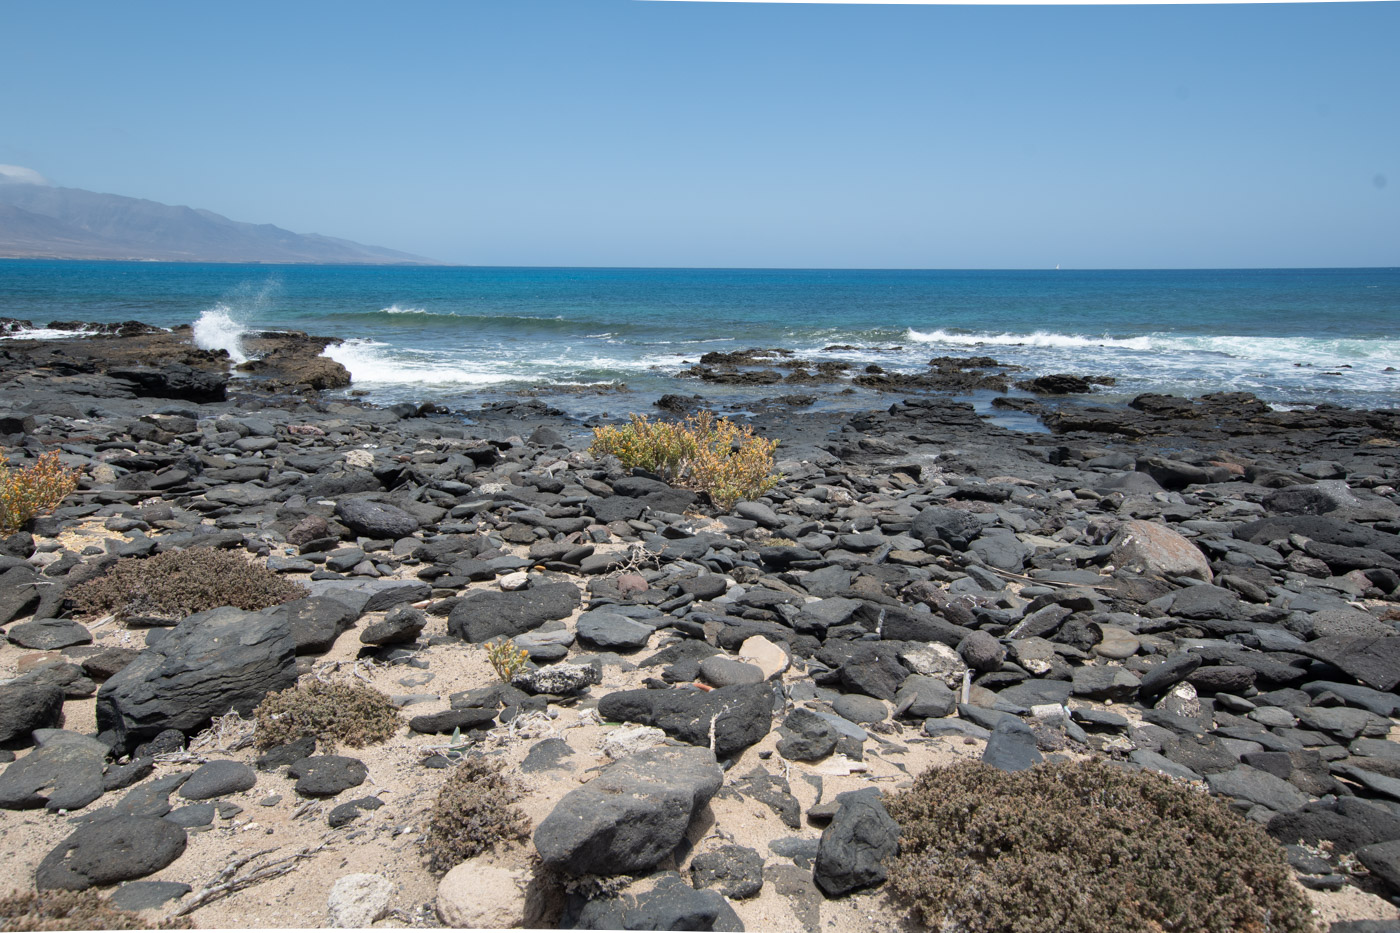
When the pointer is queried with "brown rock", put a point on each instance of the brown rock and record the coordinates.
(1155, 550)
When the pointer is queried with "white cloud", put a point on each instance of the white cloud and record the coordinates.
(18, 174)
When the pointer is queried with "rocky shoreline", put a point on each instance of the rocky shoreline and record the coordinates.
(1206, 588)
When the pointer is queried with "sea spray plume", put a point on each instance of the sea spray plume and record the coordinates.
(216, 329)
(222, 327)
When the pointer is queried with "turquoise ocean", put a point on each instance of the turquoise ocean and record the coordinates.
(463, 336)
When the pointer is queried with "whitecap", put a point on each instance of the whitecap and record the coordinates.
(368, 362)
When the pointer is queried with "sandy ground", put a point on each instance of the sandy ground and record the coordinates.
(388, 841)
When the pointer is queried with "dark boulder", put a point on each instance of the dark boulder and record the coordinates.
(208, 664)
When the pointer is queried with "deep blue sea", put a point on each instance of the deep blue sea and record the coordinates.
(464, 335)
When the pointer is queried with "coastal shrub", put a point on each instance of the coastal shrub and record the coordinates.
(177, 584)
(348, 713)
(73, 910)
(1085, 848)
(715, 456)
(32, 490)
(473, 814)
(506, 658)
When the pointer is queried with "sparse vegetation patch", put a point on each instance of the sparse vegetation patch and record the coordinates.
(715, 456)
(72, 910)
(177, 584)
(474, 813)
(32, 490)
(350, 714)
(1085, 848)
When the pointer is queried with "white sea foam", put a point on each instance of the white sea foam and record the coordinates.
(369, 362)
(395, 309)
(1037, 339)
(217, 329)
(42, 333)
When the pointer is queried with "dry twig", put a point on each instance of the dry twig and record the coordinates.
(227, 881)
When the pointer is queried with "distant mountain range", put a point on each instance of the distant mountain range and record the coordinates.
(44, 222)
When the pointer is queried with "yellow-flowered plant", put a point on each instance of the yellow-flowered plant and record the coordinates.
(32, 490)
(506, 658)
(717, 456)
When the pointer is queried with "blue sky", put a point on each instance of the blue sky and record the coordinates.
(615, 132)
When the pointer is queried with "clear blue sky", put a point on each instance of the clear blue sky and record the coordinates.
(613, 132)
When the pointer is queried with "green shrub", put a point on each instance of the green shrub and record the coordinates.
(1085, 848)
(32, 490)
(72, 910)
(716, 457)
(177, 584)
(350, 714)
(473, 814)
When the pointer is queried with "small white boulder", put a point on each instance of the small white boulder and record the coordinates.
(478, 896)
(356, 901)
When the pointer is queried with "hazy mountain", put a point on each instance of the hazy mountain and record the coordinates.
(39, 221)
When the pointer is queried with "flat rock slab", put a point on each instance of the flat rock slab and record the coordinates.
(218, 778)
(735, 717)
(610, 631)
(1255, 786)
(327, 775)
(146, 895)
(375, 519)
(48, 634)
(1373, 661)
(488, 614)
(110, 851)
(547, 755)
(630, 816)
(62, 774)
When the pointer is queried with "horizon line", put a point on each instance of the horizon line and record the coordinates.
(672, 268)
